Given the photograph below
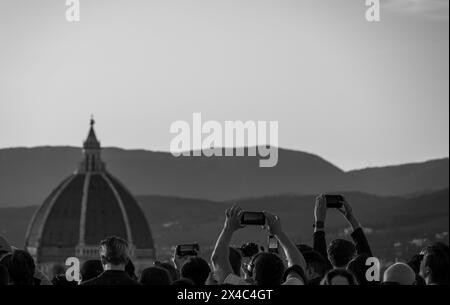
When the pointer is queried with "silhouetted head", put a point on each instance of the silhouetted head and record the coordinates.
(173, 272)
(316, 266)
(91, 269)
(235, 260)
(248, 250)
(196, 269)
(341, 252)
(5, 247)
(399, 274)
(435, 265)
(339, 277)
(358, 267)
(267, 269)
(20, 267)
(4, 276)
(155, 276)
(114, 251)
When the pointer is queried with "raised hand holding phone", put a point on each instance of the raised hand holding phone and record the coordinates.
(253, 218)
(334, 201)
(320, 210)
(347, 211)
(233, 219)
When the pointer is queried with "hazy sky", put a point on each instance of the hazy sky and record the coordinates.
(356, 93)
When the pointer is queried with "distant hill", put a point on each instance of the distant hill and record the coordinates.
(403, 179)
(387, 220)
(27, 175)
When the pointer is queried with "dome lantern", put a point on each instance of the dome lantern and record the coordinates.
(92, 161)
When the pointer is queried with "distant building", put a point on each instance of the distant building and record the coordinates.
(82, 210)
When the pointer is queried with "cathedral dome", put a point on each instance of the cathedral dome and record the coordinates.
(85, 208)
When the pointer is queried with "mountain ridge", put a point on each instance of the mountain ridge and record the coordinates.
(27, 175)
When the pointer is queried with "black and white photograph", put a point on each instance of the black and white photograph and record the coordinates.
(224, 148)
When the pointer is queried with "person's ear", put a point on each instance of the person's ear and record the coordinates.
(310, 272)
(427, 272)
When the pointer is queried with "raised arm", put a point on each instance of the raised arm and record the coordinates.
(320, 215)
(362, 245)
(220, 256)
(293, 255)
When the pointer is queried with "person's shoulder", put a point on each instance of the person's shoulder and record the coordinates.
(91, 282)
(87, 283)
(293, 281)
(295, 275)
(130, 282)
(133, 283)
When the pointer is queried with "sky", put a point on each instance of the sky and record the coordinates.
(356, 93)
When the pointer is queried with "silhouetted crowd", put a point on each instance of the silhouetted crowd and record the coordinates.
(342, 262)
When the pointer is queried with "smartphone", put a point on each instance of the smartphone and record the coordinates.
(334, 201)
(253, 218)
(187, 250)
(273, 244)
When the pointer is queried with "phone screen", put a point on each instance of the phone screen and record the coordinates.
(253, 218)
(188, 250)
(334, 201)
(273, 244)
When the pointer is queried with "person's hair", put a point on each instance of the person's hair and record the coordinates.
(437, 261)
(235, 260)
(91, 269)
(173, 272)
(196, 269)
(267, 269)
(444, 247)
(183, 282)
(249, 250)
(358, 267)
(341, 252)
(330, 275)
(114, 250)
(155, 276)
(415, 262)
(131, 270)
(315, 261)
(4, 276)
(399, 274)
(20, 267)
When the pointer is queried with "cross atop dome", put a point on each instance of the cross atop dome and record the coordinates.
(91, 140)
(92, 150)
